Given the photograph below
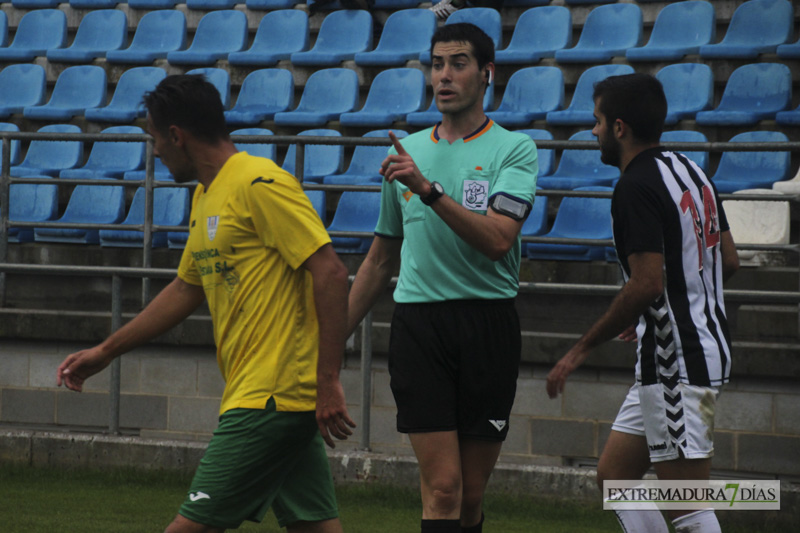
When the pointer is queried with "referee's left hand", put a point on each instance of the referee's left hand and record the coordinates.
(332, 416)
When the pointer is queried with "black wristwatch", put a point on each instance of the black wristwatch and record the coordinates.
(437, 191)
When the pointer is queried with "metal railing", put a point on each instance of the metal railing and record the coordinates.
(146, 272)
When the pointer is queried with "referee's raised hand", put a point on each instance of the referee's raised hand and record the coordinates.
(401, 167)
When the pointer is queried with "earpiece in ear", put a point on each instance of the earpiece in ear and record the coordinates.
(489, 76)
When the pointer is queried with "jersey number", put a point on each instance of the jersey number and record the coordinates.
(707, 231)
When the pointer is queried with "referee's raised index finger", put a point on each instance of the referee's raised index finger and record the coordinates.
(396, 143)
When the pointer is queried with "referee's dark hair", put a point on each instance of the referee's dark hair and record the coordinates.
(638, 100)
(464, 32)
(189, 102)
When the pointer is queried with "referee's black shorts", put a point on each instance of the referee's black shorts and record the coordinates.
(454, 366)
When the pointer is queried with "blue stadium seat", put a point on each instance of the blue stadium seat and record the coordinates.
(328, 93)
(34, 4)
(756, 27)
(77, 89)
(31, 202)
(126, 105)
(319, 160)
(260, 149)
(395, 4)
(581, 109)
(99, 31)
(752, 170)
(38, 31)
(754, 92)
(366, 162)
(176, 240)
(170, 208)
(536, 223)
(3, 29)
(279, 35)
(15, 157)
(789, 51)
(153, 4)
(580, 168)
(160, 172)
(269, 5)
(529, 95)
(342, 35)
(609, 32)
(50, 157)
(93, 4)
(681, 28)
(394, 93)
(405, 35)
(485, 18)
(21, 86)
(157, 34)
(110, 159)
(582, 2)
(357, 211)
(699, 157)
(577, 218)
(219, 78)
(318, 202)
(263, 93)
(538, 33)
(788, 118)
(545, 157)
(432, 115)
(218, 34)
(88, 204)
(210, 5)
(689, 88)
(525, 3)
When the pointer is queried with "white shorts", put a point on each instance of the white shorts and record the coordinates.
(676, 423)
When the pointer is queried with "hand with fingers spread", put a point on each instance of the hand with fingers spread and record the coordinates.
(401, 167)
(332, 417)
(79, 366)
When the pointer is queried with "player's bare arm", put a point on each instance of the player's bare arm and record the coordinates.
(374, 275)
(171, 306)
(330, 300)
(492, 234)
(644, 286)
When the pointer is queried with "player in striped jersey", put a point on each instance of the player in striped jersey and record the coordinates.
(675, 250)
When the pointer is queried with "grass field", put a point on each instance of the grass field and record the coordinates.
(34, 500)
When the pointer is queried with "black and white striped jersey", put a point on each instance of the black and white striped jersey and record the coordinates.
(665, 203)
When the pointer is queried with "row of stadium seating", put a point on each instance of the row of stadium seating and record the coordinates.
(757, 27)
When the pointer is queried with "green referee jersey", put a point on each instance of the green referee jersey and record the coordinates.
(436, 264)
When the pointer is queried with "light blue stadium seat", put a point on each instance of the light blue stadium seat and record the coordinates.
(485, 18)
(366, 162)
(100, 30)
(210, 5)
(153, 4)
(577, 218)
(341, 36)
(50, 157)
(689, 88)
(38, 31)
(789, 51)
(220, 79)
(255, 149)
(110, 159)
(394, 93)
(580, 168)
(328, 93)
(3, 29)
(609, 32)
(788, 118)
(15, 157)
(357, 211)
(170, 208)
(21, 86)
(77, 89)
(269, 5)
(581, 109)
(536, 223)
(176, 240)
(31, 202)
(263, 93)
(545, 157)
(318, 202)
(681, 28)
(279, 35)
(529, 95)
(752, 170)
(126, 105)
(160, 172)
(218, 34)
(405, 35)
(94, 4)
(699, 157)
(319, 160)
(34, 4)
(88, 204)
(157, 34)
(538, 33)
(432, 115)
(754, 92)
(756, 27)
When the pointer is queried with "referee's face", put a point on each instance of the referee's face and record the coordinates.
(458, 83)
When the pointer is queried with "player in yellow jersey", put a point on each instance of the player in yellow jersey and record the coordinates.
(277, 292)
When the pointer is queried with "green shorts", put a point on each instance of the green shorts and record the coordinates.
(261, 458)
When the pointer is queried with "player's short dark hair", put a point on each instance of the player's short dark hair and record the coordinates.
(189, 102)
(464, 32)
(638, 100)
